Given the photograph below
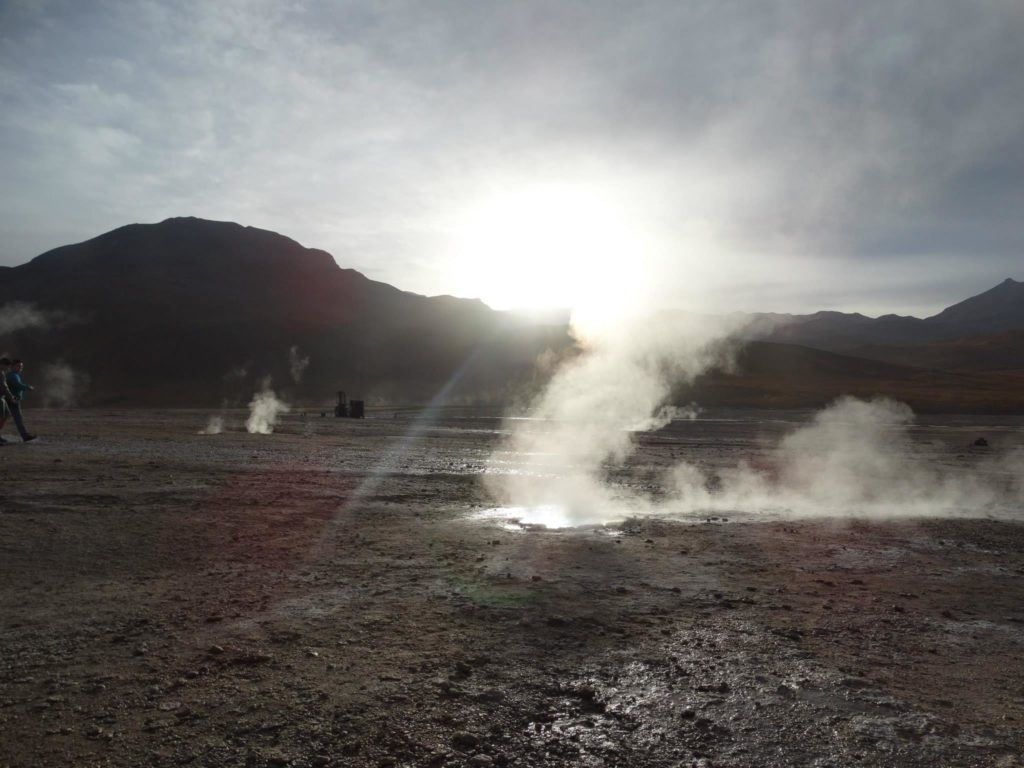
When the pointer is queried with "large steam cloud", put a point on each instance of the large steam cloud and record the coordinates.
(853, 458)
(591, 407)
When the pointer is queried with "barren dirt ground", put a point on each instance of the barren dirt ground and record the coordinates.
(323, 596)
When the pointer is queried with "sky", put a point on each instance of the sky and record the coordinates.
(755, 155)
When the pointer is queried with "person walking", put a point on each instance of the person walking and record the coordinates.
(18, 388)
(6, 396)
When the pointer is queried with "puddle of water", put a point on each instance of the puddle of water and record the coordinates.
(544, 516)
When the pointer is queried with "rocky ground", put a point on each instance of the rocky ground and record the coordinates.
(328, 596)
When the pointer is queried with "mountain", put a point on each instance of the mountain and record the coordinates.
(995, 311)
(773, 375)
(190, 312)
(196, 312)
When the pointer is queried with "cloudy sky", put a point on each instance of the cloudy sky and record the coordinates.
(742, 155)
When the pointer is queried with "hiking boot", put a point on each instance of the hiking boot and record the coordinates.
(29, 438)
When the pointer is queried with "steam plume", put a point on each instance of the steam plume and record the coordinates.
(214, 426)
(298, 364)
(592, 405)
(264, 410)
(62, 385)
(855, 457)
(18, 316)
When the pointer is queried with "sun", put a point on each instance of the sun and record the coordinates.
(548, 246)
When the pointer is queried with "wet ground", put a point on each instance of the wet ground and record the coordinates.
(342, 593)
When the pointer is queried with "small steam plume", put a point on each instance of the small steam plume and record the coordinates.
(213, 427)
(264, 410)
(18, 316)
(298, 364)
(62, 385)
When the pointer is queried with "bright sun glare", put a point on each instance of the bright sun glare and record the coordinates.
(546, 247)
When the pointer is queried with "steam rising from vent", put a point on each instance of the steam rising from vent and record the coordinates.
(298, 364)
(592, 405)
(62, 385)
(19, 316)
(213, 427)
(264, 410)
(854, 458)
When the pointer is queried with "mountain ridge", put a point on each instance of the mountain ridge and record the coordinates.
(163, 313)
(211, 297)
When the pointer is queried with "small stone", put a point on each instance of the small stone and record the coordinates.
(319, 761)
(215, 650)
(481, 760)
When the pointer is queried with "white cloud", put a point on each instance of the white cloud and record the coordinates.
(785, 133)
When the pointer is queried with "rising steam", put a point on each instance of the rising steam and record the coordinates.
(213, 427)
(18, 316)
(62, 385)
(297, 363)
(854, 457)
(264, 410)
(591, 407)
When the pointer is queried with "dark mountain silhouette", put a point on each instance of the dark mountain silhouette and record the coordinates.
(773, 375)
(195, 312)
(993, 312)
(191, 311)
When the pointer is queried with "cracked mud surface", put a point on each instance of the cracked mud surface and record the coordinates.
(323, 597)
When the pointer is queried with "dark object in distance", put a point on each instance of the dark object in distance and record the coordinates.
(981, 442)
(354, 409)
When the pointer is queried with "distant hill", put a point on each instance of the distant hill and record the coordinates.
(196, 312)
(994, 311)
(190, 312)
(772, 375)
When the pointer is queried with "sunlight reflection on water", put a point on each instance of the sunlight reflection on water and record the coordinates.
(551, 516)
